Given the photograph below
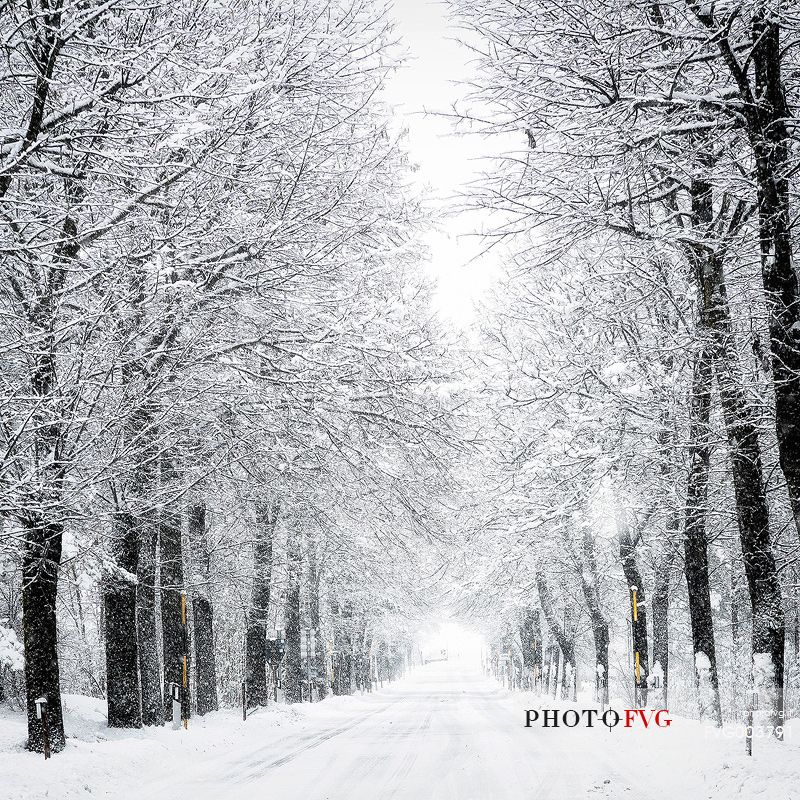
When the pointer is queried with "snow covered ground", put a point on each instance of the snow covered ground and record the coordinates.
(443, 732)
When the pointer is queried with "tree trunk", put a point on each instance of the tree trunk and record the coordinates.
(202, 613)
(546, 665)
(565, 643)
(367, 664)
(660, 609)
(314, 580)
(744, 449)
(132, 665)
(556, 666)
(601, 641)
(665, 550)
(695, 545)
(119, 604)
(293, 684)
(635, 585)
(256, 647)
(772, 143)
(146, 626)
(173, 627)
(590, 586)
(530, 636)
(343, 671)
(41, 561)
(741, 655)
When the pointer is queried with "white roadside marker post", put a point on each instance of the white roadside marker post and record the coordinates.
(176, 706)
(41, 713)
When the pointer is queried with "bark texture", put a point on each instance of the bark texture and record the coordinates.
(41, 560)
(122, 651)
(293, 682)
(314, 583)
(565, 643)
(173, 627)
(630, 566)
(343, 662)
(695, 543)
(256, 655)
(741, 427)
(771, 142)
(530, 635)
(590, 586)
(146, 624)
(659, 601)
(202, 613)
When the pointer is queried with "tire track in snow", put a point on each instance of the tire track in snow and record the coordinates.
(255, 767)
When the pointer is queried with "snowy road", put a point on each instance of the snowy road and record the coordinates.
(442, 733)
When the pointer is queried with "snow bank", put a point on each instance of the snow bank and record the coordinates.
(11, 653)
(689, 759)
(105, 762)
(220, 751)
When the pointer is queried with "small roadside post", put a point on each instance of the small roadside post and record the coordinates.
(703, 668)
(311, 649)
(41, 713)
(657, 686)
(276, 647)
(503, 669)
(175, 690)
(307, 652)
(752, 706)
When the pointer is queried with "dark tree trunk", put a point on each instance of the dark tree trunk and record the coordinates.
(343, 671)
(205, 661)
(764, 115)
(146, 626)
(546, 666)
(635, 585)
(293, 684)
(695, 544)
(665, 550)
(530, 636)
(590, 586)
(41, 562)
(660, 609)
(314, 580)
(173, 626)
(119, 604)
(49, 465)
(132, 665)
(202, 613)
(557, 663)
(741, 656)
(601, 640)
(362, 655)
(367, 663)
(772, 143)
(772, 150)
(559, 633)
(256, 648)
(744, 449)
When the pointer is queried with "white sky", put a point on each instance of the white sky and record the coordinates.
(447, 161)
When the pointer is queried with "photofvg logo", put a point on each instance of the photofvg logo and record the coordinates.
(587, 717)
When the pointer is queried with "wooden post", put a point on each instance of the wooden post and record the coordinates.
(185, 664)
